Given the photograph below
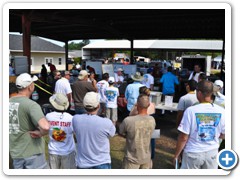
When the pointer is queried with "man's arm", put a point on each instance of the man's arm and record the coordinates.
(151, 87)
(122, 131)
(182, 140)
(69, 96)
(222, 136)
(43, 128)
(179, 117)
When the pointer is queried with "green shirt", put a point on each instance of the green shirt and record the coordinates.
(24, 115)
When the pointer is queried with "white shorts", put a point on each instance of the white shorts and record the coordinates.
(204, 160)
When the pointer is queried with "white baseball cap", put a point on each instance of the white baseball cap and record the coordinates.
(111, 79)
(119, 69)
(24, 80)
(91, 100)
(218, 83)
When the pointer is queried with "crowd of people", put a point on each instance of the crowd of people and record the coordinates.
(79, 137)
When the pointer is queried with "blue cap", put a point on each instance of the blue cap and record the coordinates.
(149, 70)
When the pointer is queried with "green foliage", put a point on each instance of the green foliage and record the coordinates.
(78, 46)
(77, 60)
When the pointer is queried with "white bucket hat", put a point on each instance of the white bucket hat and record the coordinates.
(59, 101)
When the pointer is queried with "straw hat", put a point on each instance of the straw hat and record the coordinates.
(137, 76)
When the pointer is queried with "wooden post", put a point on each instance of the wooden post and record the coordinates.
(66, 54)
(131, 60)
(223, 54)
(26, 30)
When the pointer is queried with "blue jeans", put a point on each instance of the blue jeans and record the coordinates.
(102, 166)
(80, 110)
(152, 148)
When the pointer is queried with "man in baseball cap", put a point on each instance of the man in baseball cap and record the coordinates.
(24, 80)
(80, 88)
(27, 126)
(96, 131)
(219, 98)
(119, 77)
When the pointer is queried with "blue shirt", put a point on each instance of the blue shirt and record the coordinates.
(132, 93)
(169, 80)
(92, 133)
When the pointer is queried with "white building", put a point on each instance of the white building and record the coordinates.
(42, 52)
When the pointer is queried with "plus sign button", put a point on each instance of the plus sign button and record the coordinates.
(227, 159)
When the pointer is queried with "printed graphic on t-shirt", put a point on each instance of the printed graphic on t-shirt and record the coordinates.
(145, 78)
(58, 134)
(13, 118)
(100, 85)
(207, 123)
(111, 95)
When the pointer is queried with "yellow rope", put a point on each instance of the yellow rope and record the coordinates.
(43, 83)
(43, 89)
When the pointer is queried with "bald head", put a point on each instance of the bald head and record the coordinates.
(143, 101)
(205, 87)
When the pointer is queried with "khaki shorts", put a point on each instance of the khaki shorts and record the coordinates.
(112, 114)
(130, 165)
(62, 162)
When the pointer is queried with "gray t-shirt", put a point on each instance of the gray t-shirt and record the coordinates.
(24, 115)
(92, 133)
(138, 130)
(79, 90)
(187, 101)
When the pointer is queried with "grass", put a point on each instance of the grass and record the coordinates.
(165, 145)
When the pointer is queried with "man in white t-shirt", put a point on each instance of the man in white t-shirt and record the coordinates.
(187, 100)
(63, 86)
(219, 97)
(93, 133)
(148, 79)
(101, 86)
(197, 71)
(200, 129)
(111, 94)
(119, 77)
(61, 146)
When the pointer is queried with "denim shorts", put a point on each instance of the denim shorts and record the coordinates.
(37, 161)
(102, 166)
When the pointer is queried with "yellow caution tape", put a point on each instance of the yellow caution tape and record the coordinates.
(43, 89)
(44, 83)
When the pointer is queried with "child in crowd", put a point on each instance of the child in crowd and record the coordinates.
(111, 94)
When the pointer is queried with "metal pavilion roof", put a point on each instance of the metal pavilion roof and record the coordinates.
(202, 45)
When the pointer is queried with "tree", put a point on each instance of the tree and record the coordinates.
(78, 46)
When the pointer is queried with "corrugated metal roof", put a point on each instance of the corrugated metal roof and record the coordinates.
(158, 44)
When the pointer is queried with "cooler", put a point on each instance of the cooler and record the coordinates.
(155, 97)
